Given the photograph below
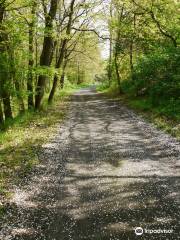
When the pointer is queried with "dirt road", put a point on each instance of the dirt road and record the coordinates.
(105, 173)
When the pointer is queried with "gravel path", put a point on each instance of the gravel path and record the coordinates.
(105, 173)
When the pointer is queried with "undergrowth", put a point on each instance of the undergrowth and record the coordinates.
(22, 137)
(165, 115)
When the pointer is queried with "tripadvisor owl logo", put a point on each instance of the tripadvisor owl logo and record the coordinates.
(138, 231)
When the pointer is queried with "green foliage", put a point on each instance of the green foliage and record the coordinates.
(102, 86)
(145, 58)
(22, 137)
(35, 50)
(156, 76)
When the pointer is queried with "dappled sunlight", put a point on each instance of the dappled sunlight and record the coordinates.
(20, 198)
(100, 177)
(24, 231)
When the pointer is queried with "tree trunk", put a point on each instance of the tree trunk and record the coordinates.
(19, 97)
(78, 75)
(1, 114)
(55, 82)
(62, 51)
(62, 80)
(30, 79)
(1, 49)
(40, 91)
(2, 9)
(131, 57)
(117, 47)
(110, 62)
(58, 65)
(110, 49)
(162, 31)
(47, 51)
(12, 76)
(4, 91)
(30, 86)
(117, 72)
(7, 105)
(63, 73)
(131, 47)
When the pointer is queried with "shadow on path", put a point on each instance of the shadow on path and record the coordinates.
(105, 173)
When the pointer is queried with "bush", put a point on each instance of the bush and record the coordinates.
(157, 76)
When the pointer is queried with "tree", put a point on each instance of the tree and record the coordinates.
(30, 79)
(4, 42)
(47, 50)
(62, 49)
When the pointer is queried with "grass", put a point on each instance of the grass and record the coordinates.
(160, 115)
(22, 137)
(164, 116)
